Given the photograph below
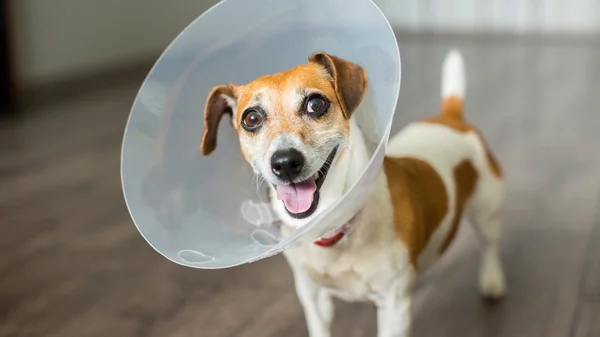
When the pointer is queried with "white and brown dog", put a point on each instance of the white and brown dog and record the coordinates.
(297, 130)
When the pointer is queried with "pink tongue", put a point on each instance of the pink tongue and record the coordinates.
(297, 197)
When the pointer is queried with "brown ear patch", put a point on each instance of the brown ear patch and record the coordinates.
(349, 80)
(216, 106)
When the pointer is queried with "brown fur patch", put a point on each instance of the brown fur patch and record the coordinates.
(280, 97)
(465, 180)
(275, 94)
(452, 107)
(452, 117)
(349, 80)
(419, 199)
(216, 107)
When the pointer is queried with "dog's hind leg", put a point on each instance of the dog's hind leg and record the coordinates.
(484, 213)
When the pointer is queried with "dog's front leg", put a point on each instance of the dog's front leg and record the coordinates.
(394, 317)
(317, 305)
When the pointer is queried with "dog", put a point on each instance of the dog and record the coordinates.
(298, 130)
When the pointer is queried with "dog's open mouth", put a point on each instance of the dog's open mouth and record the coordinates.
(301, 199)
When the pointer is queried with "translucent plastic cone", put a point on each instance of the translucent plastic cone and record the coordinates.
(210, 211)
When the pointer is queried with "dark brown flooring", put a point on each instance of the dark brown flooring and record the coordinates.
(72, 263)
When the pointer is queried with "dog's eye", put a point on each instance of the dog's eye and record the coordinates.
(316, 105)
(252, 120)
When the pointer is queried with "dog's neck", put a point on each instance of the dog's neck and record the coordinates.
(348, 167)
(352, 159)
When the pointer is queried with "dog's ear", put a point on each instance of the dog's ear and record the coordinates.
(349, 80)
(221, 100)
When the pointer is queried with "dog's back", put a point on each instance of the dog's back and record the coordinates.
(438, 169)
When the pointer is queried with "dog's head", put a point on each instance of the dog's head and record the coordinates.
(291, 124)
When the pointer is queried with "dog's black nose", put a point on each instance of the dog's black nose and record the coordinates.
(287, 164)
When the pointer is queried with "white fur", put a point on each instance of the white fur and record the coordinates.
(454, 82)
(371, 263)
(230, 101)
(368, 265)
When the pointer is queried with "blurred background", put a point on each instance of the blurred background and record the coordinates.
(73, 264)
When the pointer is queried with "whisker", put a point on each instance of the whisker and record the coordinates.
(254, 178)
(257, 179)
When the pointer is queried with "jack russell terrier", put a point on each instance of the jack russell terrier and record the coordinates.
(297, 130)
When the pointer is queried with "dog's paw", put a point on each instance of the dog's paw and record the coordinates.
(493, 291)
(492, 284)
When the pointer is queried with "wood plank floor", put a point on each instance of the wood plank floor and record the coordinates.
(73, 264)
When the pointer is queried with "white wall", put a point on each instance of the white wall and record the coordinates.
(58, 38)
(513, 16)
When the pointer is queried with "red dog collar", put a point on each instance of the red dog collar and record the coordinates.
(332, 240)
(337, 236)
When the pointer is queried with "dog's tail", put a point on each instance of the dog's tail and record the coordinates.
(454, 85)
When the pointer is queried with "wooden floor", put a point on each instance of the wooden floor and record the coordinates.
(72, 263)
